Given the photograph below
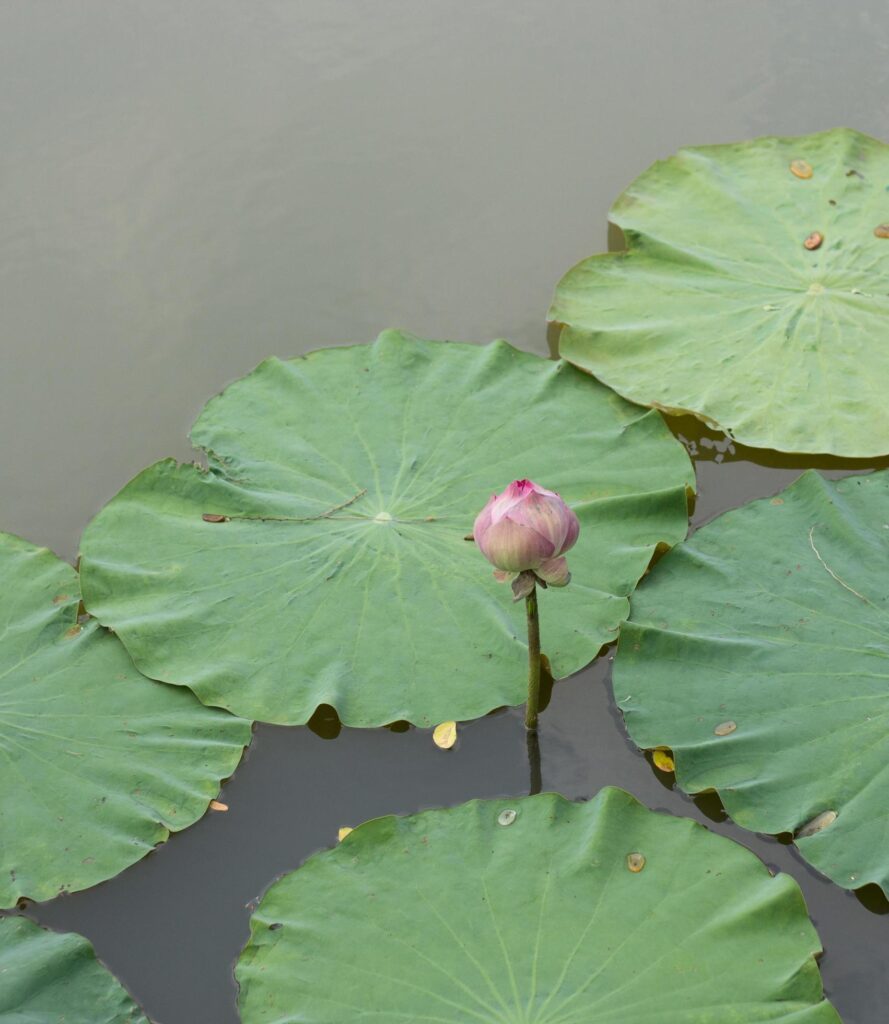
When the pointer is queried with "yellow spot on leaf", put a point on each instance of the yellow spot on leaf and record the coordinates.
(343, 832)
(819, 822)
(801, 168)
(635, 862)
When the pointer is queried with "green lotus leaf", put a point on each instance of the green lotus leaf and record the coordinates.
(335, 568)
(533, 910)
(47, 977)
(758, 651)
(753, 293)
(99, 764)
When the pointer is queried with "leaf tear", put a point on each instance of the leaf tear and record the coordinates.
(841, 582)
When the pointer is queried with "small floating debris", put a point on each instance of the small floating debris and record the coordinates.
(725, 728)
(217, 805)
(635, 862)
(444, 736)
(342, 833)
(663, 760)
(801, 168)
(507, 817)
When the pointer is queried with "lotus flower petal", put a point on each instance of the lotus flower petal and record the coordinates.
(554, 572)
(525, 526)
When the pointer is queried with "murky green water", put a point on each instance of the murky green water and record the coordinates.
(189, 186)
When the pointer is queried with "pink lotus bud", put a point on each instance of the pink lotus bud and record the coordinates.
(527, 528)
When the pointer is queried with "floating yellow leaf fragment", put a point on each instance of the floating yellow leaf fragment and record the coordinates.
(801, 168)
(343, 832)
(663, 760)
(216, 805)
(635, 862)
(817, 823)
(724, 728)
(445, 735)
(882, 231)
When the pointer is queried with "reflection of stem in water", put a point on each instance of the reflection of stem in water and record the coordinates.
(534, 761)
(533, 660)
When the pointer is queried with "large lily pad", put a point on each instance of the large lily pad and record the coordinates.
(47, 977)
(513, 911)
(759, 652)
(99, 764)
(720, 309)
(335, 568)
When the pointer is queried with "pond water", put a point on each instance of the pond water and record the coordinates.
(188, 186)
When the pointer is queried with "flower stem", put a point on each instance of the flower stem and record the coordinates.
(532, 741)
(533, 660)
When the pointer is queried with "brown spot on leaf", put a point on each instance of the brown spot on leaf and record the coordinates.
(59, 598)
(882, 231)
(814, 240)
(73, 631)
(214, 517)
